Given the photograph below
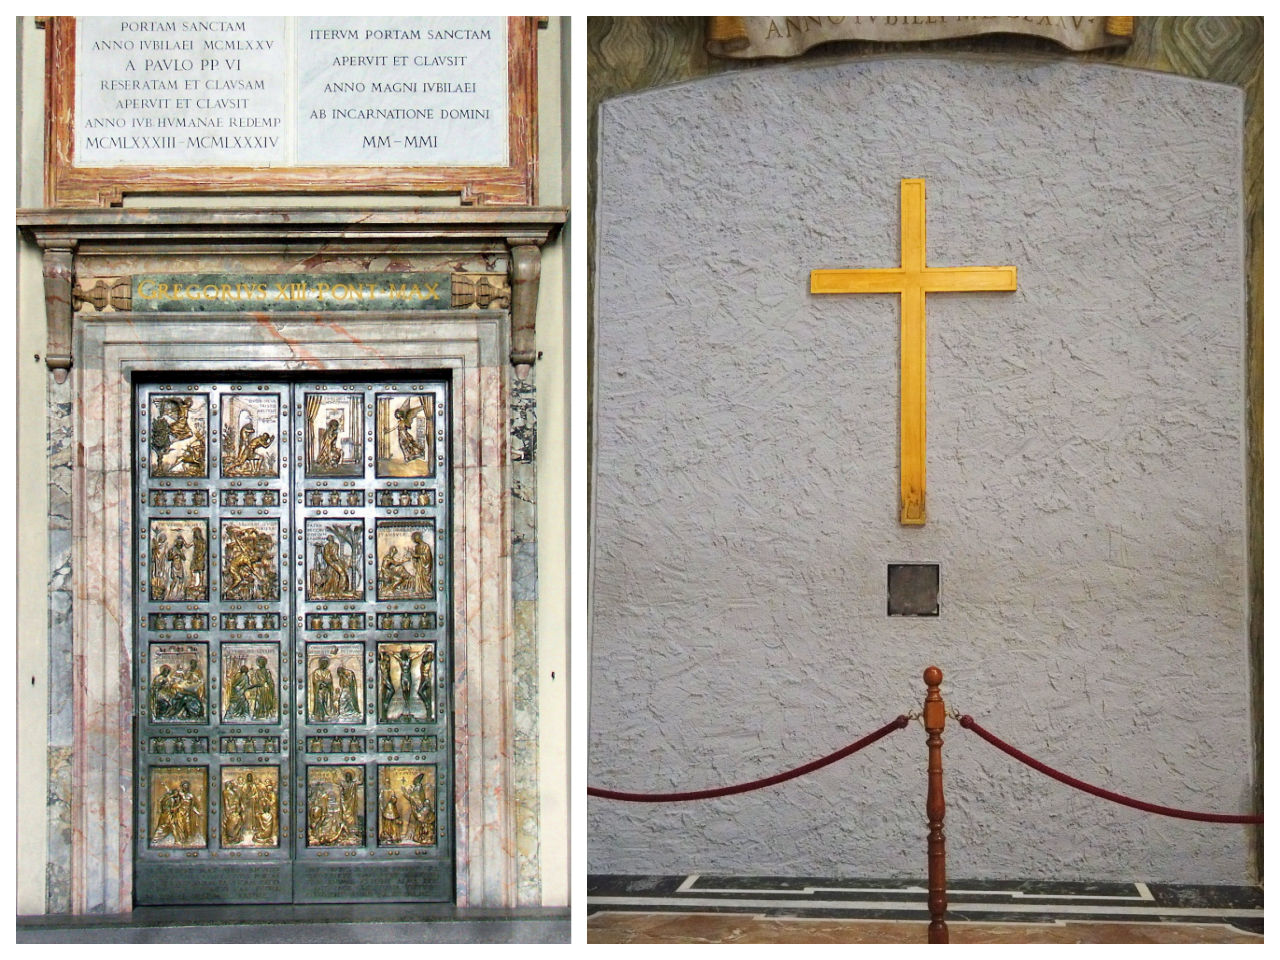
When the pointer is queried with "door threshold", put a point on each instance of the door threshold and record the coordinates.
(309, 923)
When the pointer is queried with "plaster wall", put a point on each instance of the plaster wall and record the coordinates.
(1086, 485)
(43, 773)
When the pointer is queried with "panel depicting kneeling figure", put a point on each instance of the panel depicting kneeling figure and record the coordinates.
(405, 558)
(335, 806)
(250, 436)
(335, 683)
(407, 805)
(335, 435)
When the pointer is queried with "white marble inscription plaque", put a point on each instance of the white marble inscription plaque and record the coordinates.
(402, 91)
(180, 91)
(291, 91)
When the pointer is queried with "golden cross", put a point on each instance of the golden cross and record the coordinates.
(913, 280)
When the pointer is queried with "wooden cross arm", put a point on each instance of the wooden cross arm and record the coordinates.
(897, 279)
(958, 279)
(890, 280)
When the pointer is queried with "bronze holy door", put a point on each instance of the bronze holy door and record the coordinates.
(292, 659)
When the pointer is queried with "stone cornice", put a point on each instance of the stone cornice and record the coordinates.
(512, 226)
(64, 234)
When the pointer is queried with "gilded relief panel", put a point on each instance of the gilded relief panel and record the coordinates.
(407, 805)
(179, 560)
(178, 445)
(334, 560)
(406, 446)
(405, 556)
(335, 806)
(250, 436)
(281, 691)
(251, 806)
(179, 807)
(179, 688)
(335, 682)
(250, 560)
(406, 682)
(334, 432)
(250, 687)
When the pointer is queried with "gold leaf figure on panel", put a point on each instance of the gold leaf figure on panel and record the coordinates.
(334, 554)
(249, 682)
(335, 698)
(179, 424)
(250, 806)
(407, 805)
(335, 806)
(405, 559)
(178, 685)
(179, 560)
(416, 700)
(178, 807)
(249, 560)
(250, 426)
(405, 444)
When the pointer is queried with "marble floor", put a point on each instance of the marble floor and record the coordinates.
(626, 927)
(701, 908)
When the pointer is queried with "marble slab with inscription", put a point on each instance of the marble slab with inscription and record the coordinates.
(405, 91)
(193, 91)
(234, 91)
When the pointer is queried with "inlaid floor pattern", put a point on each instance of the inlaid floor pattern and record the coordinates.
(718, 909)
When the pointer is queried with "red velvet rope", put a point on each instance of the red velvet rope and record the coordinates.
(809, 767)
(971, 724)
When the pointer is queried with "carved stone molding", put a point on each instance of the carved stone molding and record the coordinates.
(481, 291)
(526, 271)
(66, 236)
(58, 276)
(107, 293)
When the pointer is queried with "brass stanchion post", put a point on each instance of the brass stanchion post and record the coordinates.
(935, 718)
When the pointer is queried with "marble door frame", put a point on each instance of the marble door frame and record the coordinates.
(470, 348)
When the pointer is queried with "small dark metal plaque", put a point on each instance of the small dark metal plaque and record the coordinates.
(913, 589)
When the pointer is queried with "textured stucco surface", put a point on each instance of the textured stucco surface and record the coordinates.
(1085, 470)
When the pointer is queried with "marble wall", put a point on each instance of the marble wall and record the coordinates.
(495, 572)
(44, 631)
(524, 578)
(61, 449)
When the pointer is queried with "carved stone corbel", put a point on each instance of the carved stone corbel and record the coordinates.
(526, 270)
(59, 274)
